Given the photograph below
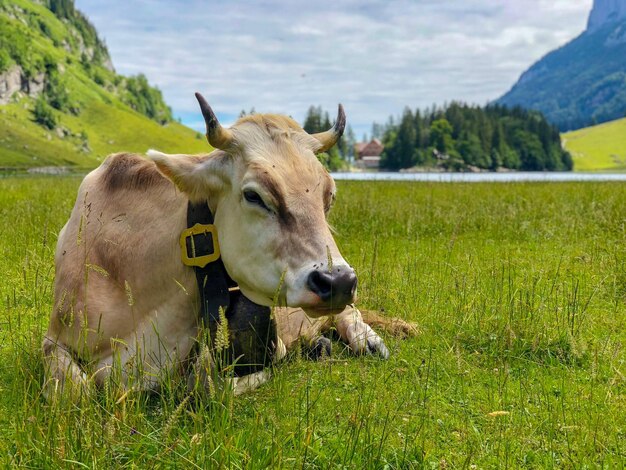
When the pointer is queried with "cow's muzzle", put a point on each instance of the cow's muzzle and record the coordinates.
(336, 287)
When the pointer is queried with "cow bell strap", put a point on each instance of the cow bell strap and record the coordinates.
(200, 249)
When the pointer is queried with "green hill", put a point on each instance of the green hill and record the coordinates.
(61, 102)
(598, 148)
(584, 82)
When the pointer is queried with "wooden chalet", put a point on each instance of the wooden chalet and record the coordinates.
(368, 153)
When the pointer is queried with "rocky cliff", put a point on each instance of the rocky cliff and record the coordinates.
(15, 80)
(606, 12)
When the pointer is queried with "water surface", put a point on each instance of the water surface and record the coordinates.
(480, 177)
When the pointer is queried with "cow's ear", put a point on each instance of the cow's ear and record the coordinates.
(197, 176)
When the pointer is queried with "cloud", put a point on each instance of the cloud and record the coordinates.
(374, 57)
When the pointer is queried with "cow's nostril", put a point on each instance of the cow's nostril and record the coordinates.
(321, 284)
(336, 287)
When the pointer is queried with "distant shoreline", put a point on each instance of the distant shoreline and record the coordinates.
(412, 176)
(483, 177)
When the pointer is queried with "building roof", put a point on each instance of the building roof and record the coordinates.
(359, 146)
(373, 148)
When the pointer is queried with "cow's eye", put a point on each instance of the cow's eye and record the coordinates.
(253, 198)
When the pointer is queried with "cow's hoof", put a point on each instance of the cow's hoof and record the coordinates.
(363, 340)
(320, 348)
(375, 345)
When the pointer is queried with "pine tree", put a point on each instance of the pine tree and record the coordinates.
(441, 135)
(313, 120)
(402, 152)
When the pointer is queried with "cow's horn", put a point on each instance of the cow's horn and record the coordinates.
(217, 136)
(331, 136)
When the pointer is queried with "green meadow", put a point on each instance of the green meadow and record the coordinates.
(519, 291)
(598, 148)
(24, 144)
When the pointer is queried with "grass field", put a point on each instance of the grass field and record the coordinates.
(24, 144)
(598, 148)
(520, 294)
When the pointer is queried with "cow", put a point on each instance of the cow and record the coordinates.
(124, 302)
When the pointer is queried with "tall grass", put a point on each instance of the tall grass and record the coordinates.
(519, 290)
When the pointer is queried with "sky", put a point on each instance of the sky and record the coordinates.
(374, 57)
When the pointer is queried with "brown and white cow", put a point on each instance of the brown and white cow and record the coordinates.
(122, 295)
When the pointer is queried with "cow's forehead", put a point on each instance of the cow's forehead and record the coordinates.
(271, 134)
(290, 179)
(275, 147)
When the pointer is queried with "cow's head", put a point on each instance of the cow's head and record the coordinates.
(270, 196)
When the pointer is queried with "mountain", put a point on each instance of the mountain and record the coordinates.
(606, 12)
(61, 101)
(583, 82)
(598, 148)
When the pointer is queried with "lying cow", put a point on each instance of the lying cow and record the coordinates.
(124, 300)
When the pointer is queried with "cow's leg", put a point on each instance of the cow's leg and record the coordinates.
(357, 334)
(295, 329)
(247, 383)
(354, 327)
(203, 376)
(63, 376)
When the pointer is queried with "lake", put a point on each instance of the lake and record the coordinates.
(509, 177)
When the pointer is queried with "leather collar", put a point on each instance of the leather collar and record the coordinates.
(199, 242)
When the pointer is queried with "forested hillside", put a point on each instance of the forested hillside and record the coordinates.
(61, 102)
(463, 137)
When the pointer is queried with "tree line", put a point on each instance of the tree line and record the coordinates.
(456, 137)
(318, 120)
(460, 137)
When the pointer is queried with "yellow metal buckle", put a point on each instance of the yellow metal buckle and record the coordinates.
(193, 260)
